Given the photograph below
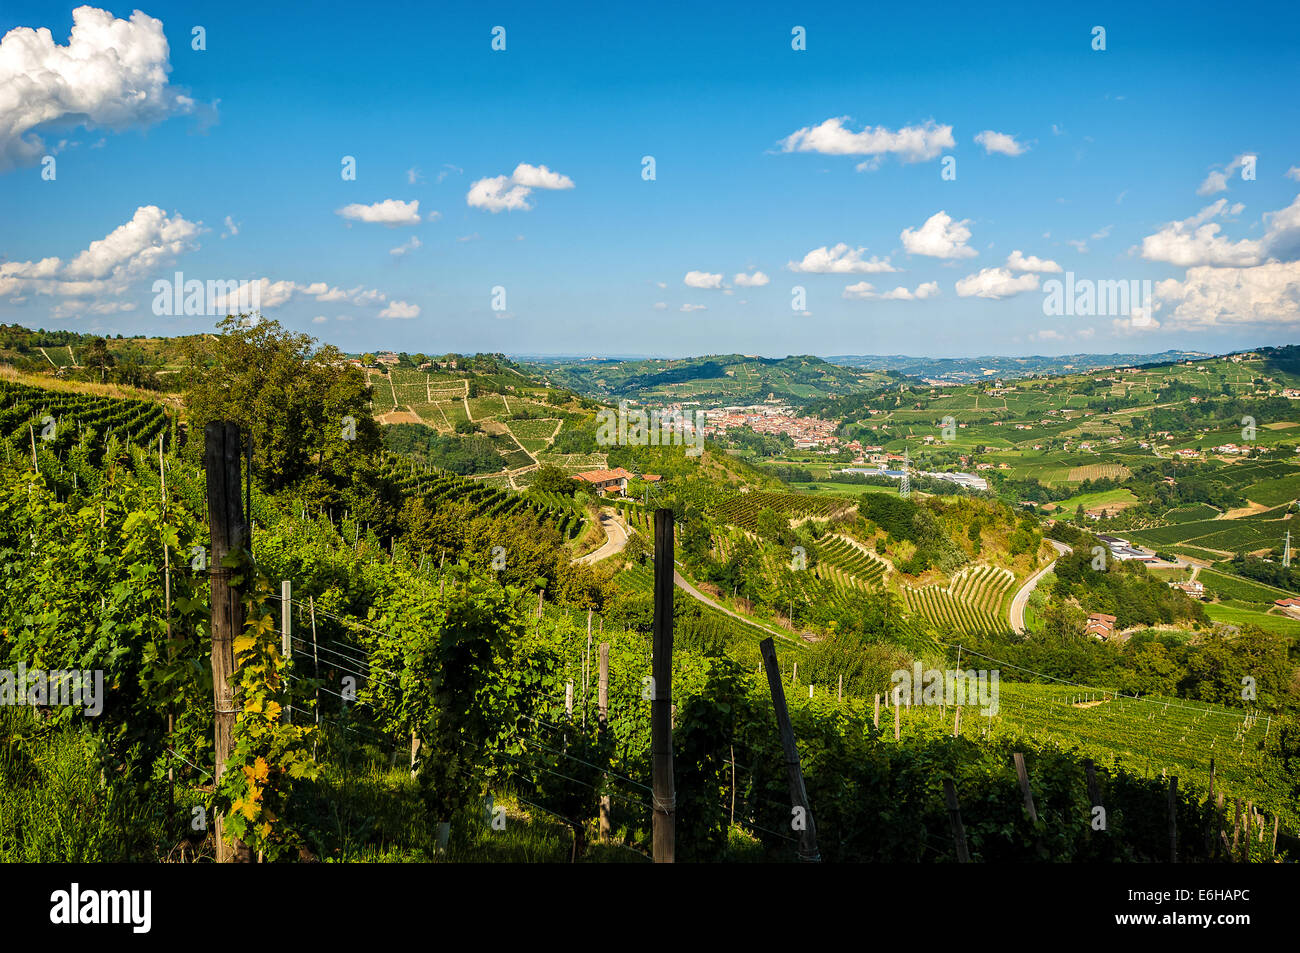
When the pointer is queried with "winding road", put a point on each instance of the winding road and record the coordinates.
(615, 538)
(1021, 598)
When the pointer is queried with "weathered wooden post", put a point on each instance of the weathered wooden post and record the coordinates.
(286, 634)
(602, 724)
(664, 794)
(954, 818)
(798, 793)
(229, 535)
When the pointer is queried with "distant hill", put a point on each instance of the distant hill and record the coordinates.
(712, 379)
(962, 369)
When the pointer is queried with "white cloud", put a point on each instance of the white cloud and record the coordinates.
(408, 246)
(863, 290)
(108, 265)
(413, 176)
(756, 280)
(390, 212)
(1019, 262)
(232, 228)
(1102, 233)
(660, 306)
(693, 307)
(497, 194)
(510, 193)
(908, 144)
(996, 283)
(1293, 173)
(1217, 179)
(939, 237)
(319, 319)
(540, 177)
(1196, 241)
(400, 309)
(1047, 334)
(1209, 297)
(840, 260)
(112, 74)
(702, 279)
(1000, 142)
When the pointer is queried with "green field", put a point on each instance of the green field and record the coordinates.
(1243, 614)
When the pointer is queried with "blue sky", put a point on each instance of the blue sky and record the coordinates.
(1123, 164)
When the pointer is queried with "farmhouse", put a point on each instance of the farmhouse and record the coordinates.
(1193, 588)
(606, 482)
(1101, 625)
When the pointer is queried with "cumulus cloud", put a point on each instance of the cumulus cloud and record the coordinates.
(1293, 173)
(1208, 297)
(996, 283)
(400, 309)
(1217, 179)
(540, 177)
(1196, 241)
(939, 237)
(694, 307)
(510, 192)
(840, 260)
(864, 290)
(111, 74)
(390, 212)
(408, 246)
(702, 279)
(1018, 262)
(1000, 143)
(908, 144)
(108, 265)
(756, 280)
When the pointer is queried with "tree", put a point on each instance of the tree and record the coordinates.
(98, 355)
(551, 479)
(305, 410)
(368, 359)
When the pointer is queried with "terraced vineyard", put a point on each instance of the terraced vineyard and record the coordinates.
(742, 510)
(971, 602)
(843, 556)
(435, 485)
(72, 414)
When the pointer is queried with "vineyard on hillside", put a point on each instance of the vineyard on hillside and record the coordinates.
(971, 602)
(840, 553)
(742, 509)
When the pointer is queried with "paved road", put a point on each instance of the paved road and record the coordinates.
(615, 538)
(694, 593)
(1021, 597)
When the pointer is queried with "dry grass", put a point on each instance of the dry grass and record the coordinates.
(1096, 471)
(117, 391)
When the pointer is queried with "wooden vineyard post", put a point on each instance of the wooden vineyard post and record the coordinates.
(1173, 820)
(954, 818)
(286, 633)
(1023, 775)
(664, 794)
(877, 715)
(602, 724)
(1094, 790)
(798, 793)
(898, 720)
(956, 723)
(229, 535)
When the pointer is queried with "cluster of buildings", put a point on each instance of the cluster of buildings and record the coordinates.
(1122, 550)
(969, 480)
(806, 432)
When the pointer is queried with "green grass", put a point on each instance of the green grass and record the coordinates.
(1101, 498)
(1228, 586)
(1239, 614)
